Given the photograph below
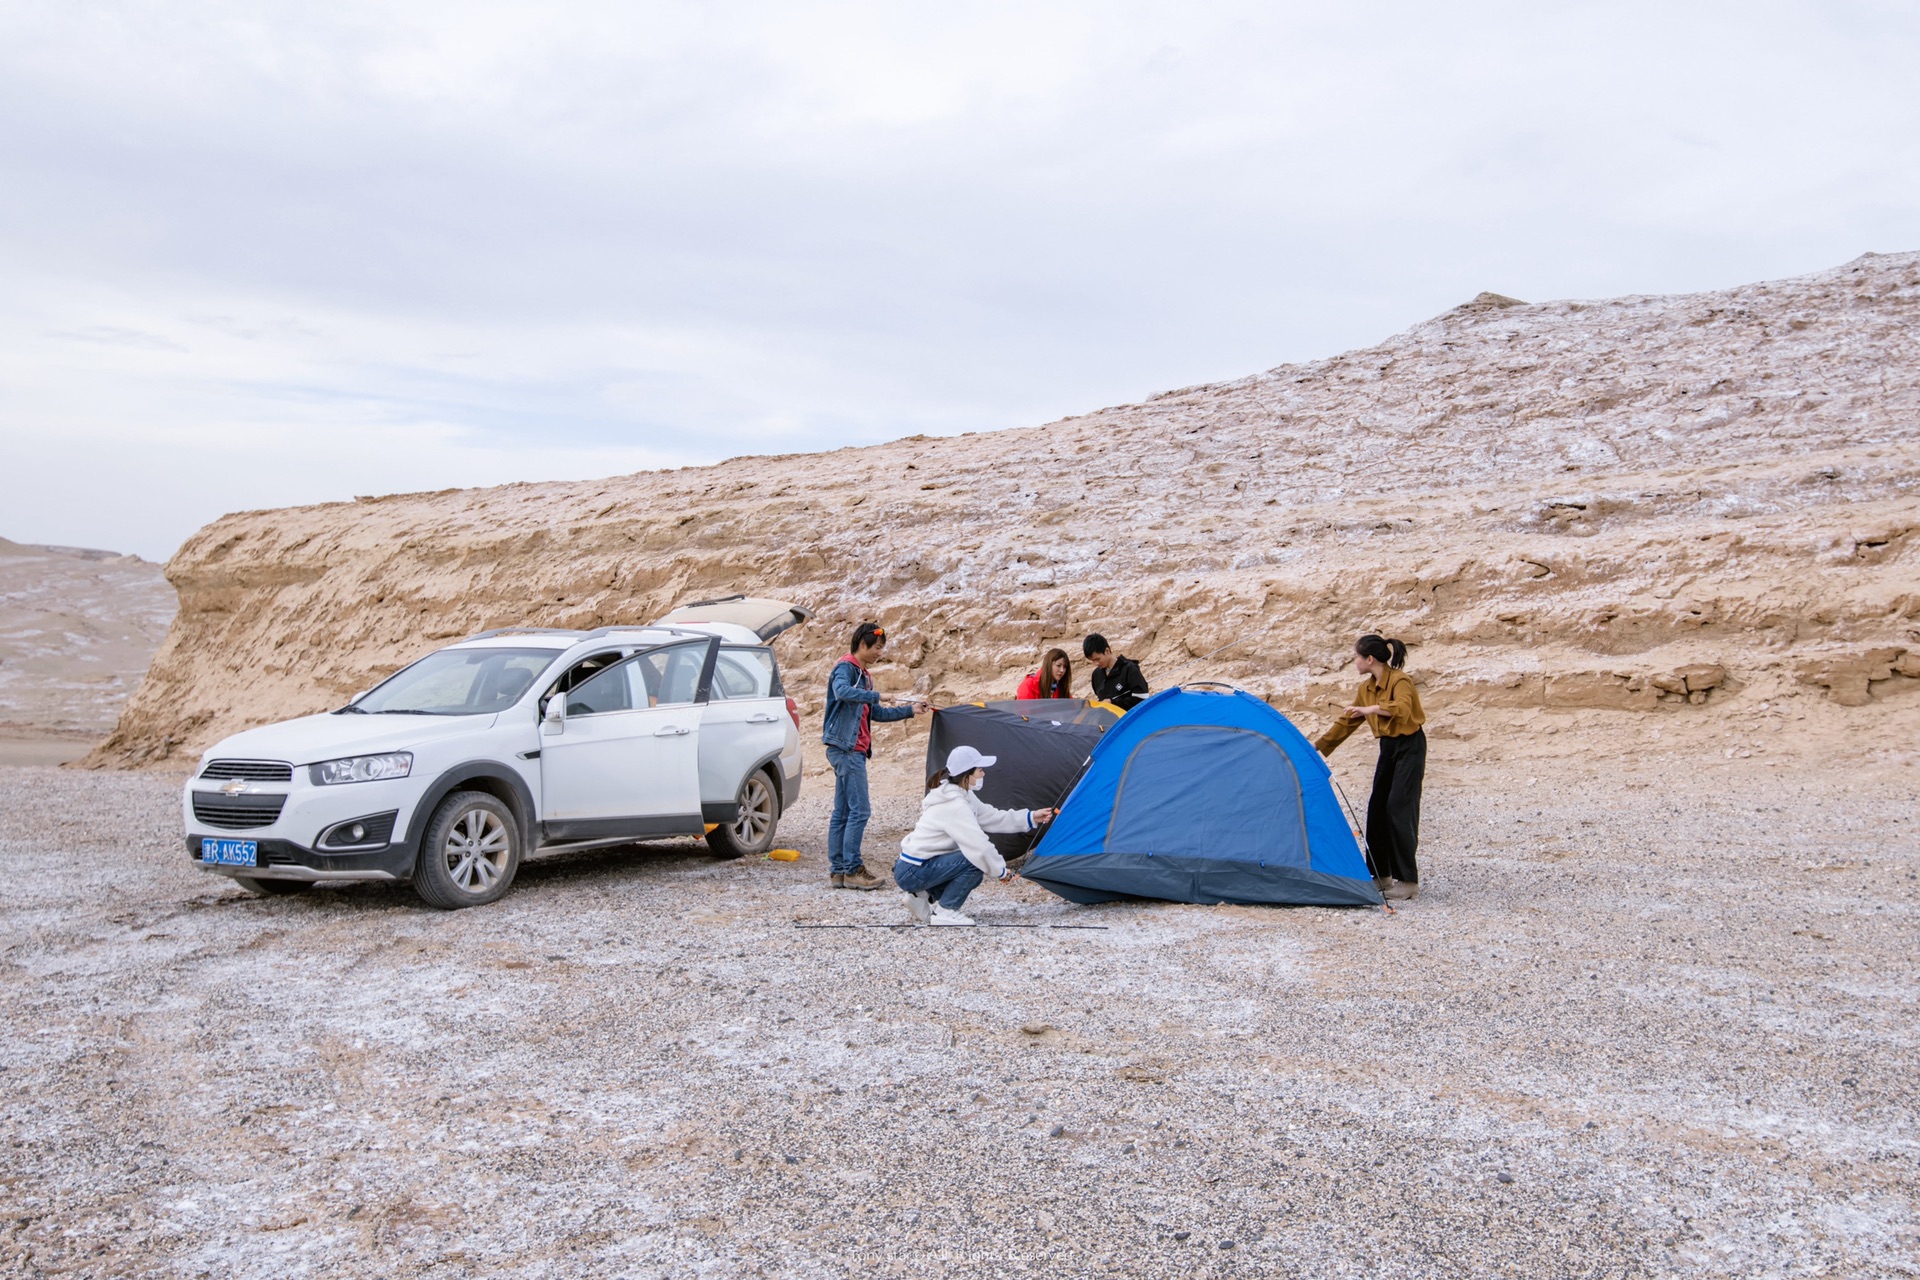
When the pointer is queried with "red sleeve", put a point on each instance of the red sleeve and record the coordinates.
(1030, 687)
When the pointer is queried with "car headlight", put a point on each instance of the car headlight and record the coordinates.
(394, 764)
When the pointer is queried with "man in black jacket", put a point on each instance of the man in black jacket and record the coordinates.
(1115, 679)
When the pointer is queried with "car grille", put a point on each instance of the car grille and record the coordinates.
(236, 813)
(251, 770)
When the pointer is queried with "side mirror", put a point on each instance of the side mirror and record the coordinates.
(555, 719)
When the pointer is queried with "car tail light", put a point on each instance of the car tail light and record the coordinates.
(793, 709)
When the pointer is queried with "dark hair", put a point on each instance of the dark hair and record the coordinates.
(942, 776)
(865, 632)
(1391, 652)
(1048, 687)
(1095, 643)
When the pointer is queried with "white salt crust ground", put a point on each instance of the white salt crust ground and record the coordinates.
(1652, 1019)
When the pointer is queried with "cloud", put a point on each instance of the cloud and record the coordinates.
(112, 336)
(471, 239)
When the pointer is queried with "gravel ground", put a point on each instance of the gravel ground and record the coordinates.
(1660, 1023)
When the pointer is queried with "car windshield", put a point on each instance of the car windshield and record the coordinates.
(458, 682)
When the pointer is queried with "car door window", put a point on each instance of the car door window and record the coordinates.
(743, 673)
(578, 674)
(670, 676)
(601, 692)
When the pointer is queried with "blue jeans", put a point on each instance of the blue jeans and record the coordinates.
(947, 879)
(851, 809)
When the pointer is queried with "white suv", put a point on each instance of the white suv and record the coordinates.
(510, 742)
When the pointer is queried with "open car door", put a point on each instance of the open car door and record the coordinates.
(622, 760)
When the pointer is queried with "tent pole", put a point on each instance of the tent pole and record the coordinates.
(1203, 657)
(1055, 806)
(1365, 847)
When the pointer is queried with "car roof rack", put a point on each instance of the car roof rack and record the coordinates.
(708, 604)
(617, 628)
(520, 631)
(579, 635)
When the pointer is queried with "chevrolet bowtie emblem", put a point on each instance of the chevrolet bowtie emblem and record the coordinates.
(237, 787)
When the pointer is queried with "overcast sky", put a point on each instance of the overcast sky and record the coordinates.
(262, 253)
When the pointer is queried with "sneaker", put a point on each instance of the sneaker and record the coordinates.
(940, 915)
(1383, 883)
(917, 907)
(861, 879)
(836, 881)
(1402, 891)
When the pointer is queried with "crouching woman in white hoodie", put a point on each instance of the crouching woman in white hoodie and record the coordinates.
(947, 853)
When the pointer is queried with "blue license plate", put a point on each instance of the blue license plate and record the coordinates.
(230, 853)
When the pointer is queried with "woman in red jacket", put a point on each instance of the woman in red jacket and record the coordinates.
(1054, 679)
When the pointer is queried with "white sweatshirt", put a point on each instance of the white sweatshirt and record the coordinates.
(952, 819)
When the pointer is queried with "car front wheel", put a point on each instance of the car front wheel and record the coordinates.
(751, 832)
(470, 854)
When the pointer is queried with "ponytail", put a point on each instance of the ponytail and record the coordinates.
(1391, 652)
(933, 783)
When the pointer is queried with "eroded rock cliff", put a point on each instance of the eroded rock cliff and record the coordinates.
(1656, 505)
(77, 629)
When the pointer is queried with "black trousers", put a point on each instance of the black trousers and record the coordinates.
(1393, 814)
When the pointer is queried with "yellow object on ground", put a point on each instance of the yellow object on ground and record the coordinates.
(784, 855)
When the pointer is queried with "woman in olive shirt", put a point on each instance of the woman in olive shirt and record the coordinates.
(1390, 705)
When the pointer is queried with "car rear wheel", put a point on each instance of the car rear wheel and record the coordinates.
(470, 854)
(262, 887)
(751, 832)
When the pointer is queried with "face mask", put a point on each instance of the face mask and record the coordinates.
(979, 781)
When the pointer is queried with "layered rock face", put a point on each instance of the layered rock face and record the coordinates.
(1667, 506)
(77, 629)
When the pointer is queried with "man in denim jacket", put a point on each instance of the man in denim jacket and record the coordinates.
(852, 709)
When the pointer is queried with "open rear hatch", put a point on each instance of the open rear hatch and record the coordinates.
(765, 618)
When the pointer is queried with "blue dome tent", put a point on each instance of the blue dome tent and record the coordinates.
(1201, 795)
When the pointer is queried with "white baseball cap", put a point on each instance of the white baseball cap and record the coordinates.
(965, 760)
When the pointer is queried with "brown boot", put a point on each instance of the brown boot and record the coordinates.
(861, 879)
(1402, 891)
(836, 881)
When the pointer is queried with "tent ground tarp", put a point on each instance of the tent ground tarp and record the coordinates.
(1203, 796)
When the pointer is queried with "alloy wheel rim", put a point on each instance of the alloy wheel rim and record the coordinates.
(476, 850)
(756, 812)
